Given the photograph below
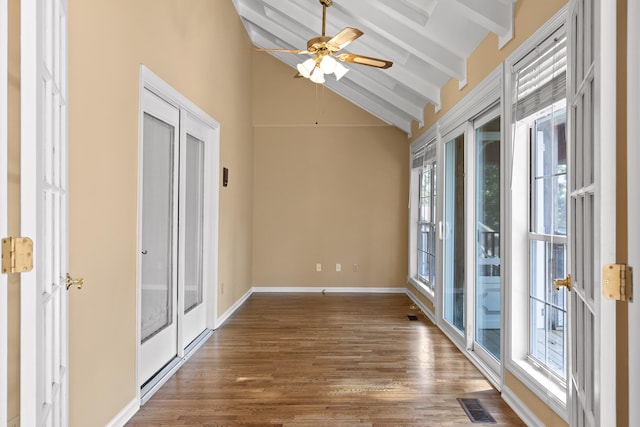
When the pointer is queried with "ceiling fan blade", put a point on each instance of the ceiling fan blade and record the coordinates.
(365, 60)
(343, 38)
(298, 51)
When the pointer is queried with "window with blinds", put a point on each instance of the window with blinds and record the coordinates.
(424, 165)
(540, 77)
(539, 104)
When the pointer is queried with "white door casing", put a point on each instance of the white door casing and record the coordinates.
(43, 184)
(195, 129)
(591, 108)
(4, 203)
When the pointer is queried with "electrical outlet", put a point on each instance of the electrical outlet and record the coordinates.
(338, 267)
(355, 268)
(318, 267)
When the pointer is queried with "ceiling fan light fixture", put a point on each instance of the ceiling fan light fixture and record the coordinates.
(307, 67)
(328, 64)
(317, 76)
(340, 71)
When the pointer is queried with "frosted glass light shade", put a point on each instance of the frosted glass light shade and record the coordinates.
(306, 67)
(340, 71)
(317, 76)
(328, 64)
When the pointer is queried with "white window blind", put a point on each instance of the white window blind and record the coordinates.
(423, 154)
(541, 76)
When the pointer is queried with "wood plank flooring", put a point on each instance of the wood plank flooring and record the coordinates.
(300, 360)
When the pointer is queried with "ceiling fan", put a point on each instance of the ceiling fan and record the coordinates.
(325, 52)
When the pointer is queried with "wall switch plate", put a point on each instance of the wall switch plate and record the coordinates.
(318, 267)
(338, 267)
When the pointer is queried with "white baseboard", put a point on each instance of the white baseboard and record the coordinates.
(316, 289)
(227, 314)
(520, 408)
(125, 415)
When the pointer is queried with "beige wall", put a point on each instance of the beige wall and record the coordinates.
(200, 48)
(331, 192)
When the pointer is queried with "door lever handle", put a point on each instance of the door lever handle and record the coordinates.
(74, 282)
(558, 283)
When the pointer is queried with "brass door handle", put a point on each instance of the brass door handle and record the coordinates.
(558, 283)
(74, 282)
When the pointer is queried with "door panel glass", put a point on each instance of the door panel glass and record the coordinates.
(157, 227)
(487, 309)
(454, 280)
(193, 223)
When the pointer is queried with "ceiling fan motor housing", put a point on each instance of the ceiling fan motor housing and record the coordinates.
(318, 44)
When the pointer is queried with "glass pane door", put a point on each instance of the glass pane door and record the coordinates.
(193, 223)
(157, 227)
(454, 245)
(487, 295)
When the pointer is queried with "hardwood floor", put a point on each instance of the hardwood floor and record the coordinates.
(324, 360)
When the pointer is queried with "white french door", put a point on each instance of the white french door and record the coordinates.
(4, 33)
(43, 192)
(591, 105)
(159, 234)
(178, 226)
(194, 226)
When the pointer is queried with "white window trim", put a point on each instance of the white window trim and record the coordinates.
(429, 137)
(516, 360)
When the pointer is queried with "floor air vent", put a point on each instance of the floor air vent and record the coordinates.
(412, 317)
(475, 411)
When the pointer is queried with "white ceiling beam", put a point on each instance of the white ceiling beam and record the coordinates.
(355, 96)
(405, 38)
(304, 16)
(269, 26)
(494, 15)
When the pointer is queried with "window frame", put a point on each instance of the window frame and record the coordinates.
(552, 238)
(430, 167)
(516, 261)
(425, 149)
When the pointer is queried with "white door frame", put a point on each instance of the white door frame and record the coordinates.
(152, 82)
(633, 177)
(605, 134)
(43, 297)
(603, 347)
(4, 203)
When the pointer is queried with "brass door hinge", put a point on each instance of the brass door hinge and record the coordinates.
(17, 255)
(617, 282)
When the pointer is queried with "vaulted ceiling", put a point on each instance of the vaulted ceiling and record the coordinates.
(428, 41)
